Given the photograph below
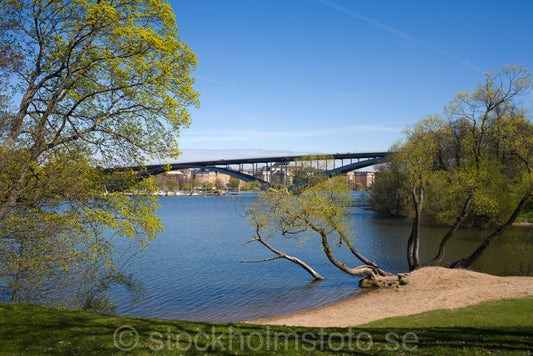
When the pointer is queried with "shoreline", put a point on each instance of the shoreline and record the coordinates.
(428, 288)
(523, 223)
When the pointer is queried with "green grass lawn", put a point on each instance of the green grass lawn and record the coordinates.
(500, 327)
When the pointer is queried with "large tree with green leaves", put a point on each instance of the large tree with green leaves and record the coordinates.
(83, 84)
(471, 165)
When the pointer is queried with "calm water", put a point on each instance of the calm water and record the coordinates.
(198, 275)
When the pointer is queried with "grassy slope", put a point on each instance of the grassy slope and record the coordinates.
(500, 327)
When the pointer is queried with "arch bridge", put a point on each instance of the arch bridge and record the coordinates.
(338, 163)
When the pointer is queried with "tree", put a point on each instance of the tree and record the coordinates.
(416, 154)
(315, 210)
(388, 195)
(268, 217)
(195, 183)
(172, 185)
(470, 165)
(219, 183)
(87, 84)
(234, 183)
(359, 186)
(207, 187)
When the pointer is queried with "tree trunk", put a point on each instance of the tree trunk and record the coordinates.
(414, 239)
(370, 271)
(449, 234)
(363, 258)
(467, 262)
(15, 192)
(356, 253)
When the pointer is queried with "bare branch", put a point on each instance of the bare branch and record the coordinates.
(266, 259)
(252, 240)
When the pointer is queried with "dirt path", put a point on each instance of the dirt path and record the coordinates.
(429, 288)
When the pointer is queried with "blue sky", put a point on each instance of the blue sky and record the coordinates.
(327, 76)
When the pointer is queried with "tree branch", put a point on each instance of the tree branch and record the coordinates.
(467, 262)
(451, 232)
(280, 254)
(266, 259)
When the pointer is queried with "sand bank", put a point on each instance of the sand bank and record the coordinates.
(428, 289)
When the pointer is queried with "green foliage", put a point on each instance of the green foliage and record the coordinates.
(300, 215)
(207, 187)
(527, 216)
(83, 84)
(56, 248)
(318, 209)
(308, 167)
(482, 144)
(388, 195)
(195, 183)
(172, 185)
(116, 74)
(359, 186)
(234, 183)
(472, 165)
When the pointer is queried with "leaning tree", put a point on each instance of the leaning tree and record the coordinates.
(317, 208)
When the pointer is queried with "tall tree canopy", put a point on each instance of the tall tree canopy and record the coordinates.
(82, 83)
(471, 165)
(112, 73)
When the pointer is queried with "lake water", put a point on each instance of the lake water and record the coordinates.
(198, 275)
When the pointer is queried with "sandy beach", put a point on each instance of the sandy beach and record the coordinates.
(427, 289)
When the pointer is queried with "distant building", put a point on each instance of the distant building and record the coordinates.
(282, 177)
(219, 180)
(364, 178)
(264, 174)
(205, 176)
(170, 179)
(276, 173)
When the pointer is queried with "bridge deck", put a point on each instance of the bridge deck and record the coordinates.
(275, 159)
(223, 166)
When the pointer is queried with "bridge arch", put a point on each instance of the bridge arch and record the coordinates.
(354, 166)
(234, 173)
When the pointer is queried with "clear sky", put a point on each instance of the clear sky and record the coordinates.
(328, 76)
